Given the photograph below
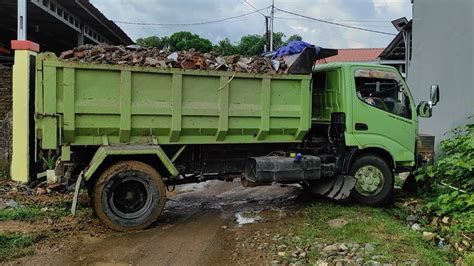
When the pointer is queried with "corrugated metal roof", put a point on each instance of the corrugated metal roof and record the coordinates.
(353, 55)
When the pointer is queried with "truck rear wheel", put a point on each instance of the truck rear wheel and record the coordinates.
(129, 196)
(374, 180)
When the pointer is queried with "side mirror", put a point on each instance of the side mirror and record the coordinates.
(434, 94)
(424, 109)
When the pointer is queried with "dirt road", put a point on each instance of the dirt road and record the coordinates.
(191, 231)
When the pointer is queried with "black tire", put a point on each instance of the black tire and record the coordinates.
(383, 191)
(129, 196)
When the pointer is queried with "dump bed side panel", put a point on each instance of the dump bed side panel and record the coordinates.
(89, 104)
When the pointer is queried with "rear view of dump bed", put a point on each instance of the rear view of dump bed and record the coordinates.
(94, 104)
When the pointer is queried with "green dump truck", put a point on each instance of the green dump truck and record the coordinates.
(342, 130)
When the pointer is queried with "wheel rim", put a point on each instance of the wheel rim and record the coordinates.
(370, 180)
(130, 194)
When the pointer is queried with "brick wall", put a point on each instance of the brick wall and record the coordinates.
(5, 91)
(5, 117)
(5, 142)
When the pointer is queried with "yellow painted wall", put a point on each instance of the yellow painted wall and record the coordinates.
(19, 170)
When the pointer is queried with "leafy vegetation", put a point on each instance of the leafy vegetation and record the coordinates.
(153, 41)
(455, 166)
(248, 45)
(225, 47)
(451, 195)
(452, 174)
(185, 40)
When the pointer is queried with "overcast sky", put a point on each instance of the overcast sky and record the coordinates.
(371, 14)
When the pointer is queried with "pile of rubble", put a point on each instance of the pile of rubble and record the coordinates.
(138, 56)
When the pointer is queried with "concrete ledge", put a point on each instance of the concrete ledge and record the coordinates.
(25, 45)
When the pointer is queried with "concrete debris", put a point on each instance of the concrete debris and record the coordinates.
(445, 220)
(428, 236)
(337, 223)
(369, 248)
(8, 204)
(416, 227)
(11, 204)
(331, 249)
(191, 59)
(411, 219)
(173, 57)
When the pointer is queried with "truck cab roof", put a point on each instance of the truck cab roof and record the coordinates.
(329, 66)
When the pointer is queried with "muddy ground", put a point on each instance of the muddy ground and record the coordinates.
(198, 226)
(223, 223)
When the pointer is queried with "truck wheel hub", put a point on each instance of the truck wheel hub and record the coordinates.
(370, 180)
(130, 197)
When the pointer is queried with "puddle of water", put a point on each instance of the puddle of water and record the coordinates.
(247, 218)
(193, 187)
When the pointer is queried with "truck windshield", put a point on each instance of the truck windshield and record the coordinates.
(385, 94)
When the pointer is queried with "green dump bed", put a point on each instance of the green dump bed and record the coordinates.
(95, 104)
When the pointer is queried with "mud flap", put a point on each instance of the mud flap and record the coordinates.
(76, 194)
(338, 188)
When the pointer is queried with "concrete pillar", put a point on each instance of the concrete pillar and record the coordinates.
(21, 19)
(20, 167)
(80, 37)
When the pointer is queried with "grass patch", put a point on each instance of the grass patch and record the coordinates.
(16, 245)
(33, 213)
(391, 237)
(22, 214)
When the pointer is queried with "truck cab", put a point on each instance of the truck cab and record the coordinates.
(381, 122)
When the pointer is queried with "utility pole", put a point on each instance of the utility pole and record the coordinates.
(267, 34)
(271, 29)
(21, 19)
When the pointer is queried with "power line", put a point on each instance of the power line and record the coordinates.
(144, 27)
(379, 25)
(187, 24)
(248, 3)
(362, 21)
(336, 23)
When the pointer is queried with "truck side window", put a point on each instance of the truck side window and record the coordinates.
(385, 94)
(319, 81)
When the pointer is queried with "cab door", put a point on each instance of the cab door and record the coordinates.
(383, 112)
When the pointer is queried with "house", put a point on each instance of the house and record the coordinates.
(57, 26)
(365, 55)
(438, 50)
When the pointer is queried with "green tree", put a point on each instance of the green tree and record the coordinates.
(153, 42)
(278, 40)
(250, 45)
(294, 37)
(225, 47)
(185, 40)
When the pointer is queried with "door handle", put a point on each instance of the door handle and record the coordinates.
(361, 126)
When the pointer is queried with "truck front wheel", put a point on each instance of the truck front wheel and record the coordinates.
(129, 196)
(374, 180)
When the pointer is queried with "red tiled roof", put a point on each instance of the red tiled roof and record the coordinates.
(353, 55)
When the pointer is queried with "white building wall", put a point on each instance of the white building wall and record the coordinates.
(443, 53)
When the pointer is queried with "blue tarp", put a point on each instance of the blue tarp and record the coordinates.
(294, 47)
